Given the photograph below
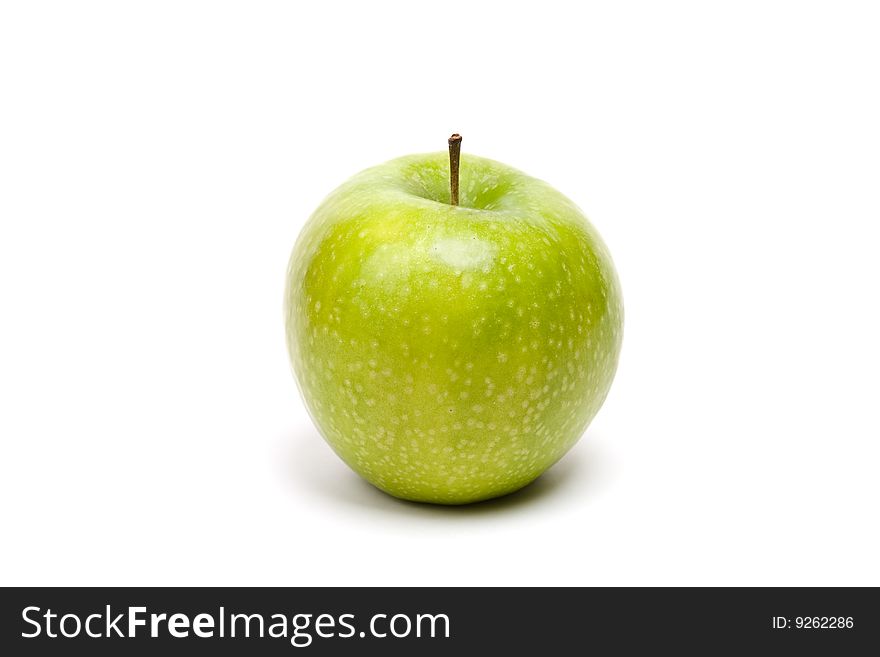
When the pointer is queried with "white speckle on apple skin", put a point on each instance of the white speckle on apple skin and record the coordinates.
(451, 354)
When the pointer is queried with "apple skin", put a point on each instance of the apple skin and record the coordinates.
(451, 354)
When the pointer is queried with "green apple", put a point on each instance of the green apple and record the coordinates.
(451, 353)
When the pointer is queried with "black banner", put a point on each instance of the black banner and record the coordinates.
(444, 621)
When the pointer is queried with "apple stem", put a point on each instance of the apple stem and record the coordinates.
(454, 160)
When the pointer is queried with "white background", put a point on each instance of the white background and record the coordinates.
(157, 161)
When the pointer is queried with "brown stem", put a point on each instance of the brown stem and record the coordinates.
(454, 159)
